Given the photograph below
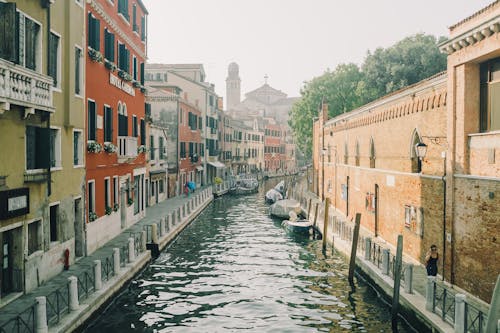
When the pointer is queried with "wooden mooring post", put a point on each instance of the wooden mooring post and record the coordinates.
(315, 220)
(397, 283)
(355, 236)
(325, 222)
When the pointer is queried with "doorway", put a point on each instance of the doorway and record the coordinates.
(7, 263)
(376, 209)
(79, 234)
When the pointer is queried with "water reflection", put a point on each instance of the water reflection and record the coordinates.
(235, 269)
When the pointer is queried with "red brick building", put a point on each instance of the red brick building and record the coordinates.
(274, 149)
(115, 117)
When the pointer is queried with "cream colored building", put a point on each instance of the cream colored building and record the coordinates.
(42, 173)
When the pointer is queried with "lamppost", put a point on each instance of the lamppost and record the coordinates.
(421, 149)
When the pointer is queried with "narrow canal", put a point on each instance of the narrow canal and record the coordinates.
(236, 269)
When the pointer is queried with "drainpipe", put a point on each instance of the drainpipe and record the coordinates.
(46, 4)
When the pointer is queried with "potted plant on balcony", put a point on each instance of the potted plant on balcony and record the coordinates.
(109, 148)
(136, 84)
(143, 89)
(124, 75)
(92, 216)
(94, 147)
(141, 149)
(109, 65)
(109, 210)
(95, 55)
(130, 201)
(115, 207)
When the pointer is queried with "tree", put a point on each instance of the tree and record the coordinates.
(347, 87)
(338, 88)
(407, 62)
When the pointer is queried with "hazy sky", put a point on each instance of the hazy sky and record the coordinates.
(292, 41)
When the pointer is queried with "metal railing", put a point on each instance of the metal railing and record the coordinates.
(124, 255)
(108, 268)
(444, 303)
(24, 322)
(475, 319)
(86, 284)
(57, 304)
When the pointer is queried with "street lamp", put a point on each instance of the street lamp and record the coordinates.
(421, 149)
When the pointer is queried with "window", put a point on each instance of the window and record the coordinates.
(78, 71)
(37, 151)
(108, 124)
(91, 197)
(107, 199)
(143, 132)
(33, 237)
(489, 117)
(134, 19)
(115, 190)
(94, 33)
(142, 73)
(54, 71)
(9, 39)
(54, 218)
(123, 8)
(136, 194)
(372, 154)
(143, 28)
(161, 186)
(134, 68)
(357, 154)
(31, 43)
(183, 150)
(161, 148)
(135, 131)
(77, 148)
(416, 163)
(109, 45)
(123, 58)
(122, 120)
(152, 147)
(55, 147)
(91, 120)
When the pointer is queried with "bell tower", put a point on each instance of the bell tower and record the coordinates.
(233, 86)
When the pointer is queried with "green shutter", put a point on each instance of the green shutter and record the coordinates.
(53, 48)
(142, 73)
(42, 147)
(90, 33)
(97, 34)
(112, 46)
(9, 32)
(143, 28)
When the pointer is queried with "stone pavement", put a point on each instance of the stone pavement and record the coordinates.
(153, 215)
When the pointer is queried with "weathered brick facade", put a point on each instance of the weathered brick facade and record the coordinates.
(370, 163)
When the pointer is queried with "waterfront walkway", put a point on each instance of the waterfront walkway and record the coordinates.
(19, 314)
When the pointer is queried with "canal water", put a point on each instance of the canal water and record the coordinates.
(234, 269)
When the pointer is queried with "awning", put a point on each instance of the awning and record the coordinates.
(217, 164)
(199, 168)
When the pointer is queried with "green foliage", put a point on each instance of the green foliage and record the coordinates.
(348, 87)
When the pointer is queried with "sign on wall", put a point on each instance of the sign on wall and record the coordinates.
(414, 219)
(343, 194)
(370, 202)
(14, 203)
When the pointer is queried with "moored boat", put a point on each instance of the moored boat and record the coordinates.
(276, 193)
(282, 208)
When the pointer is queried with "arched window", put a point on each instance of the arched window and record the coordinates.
(416, 163)
(122, 119)
(372, 153)
(357, 153)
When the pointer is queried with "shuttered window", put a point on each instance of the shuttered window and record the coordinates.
(134, 69)
(108, 124)
(9, 35)
(109, 45)
(122, 125)
(94, 33)
(142, 73)
(78, 71)
(123, 57)
(135, 131)
(151, 147)
(31, 31)
(37, 147)
(91, 120)
(123, 8)
(53, 55)
(143, 132)
(143, 28)
(134, 19)
(161, 148)
(183, 150)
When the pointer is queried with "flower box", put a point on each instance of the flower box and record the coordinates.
(94, 147)
(92, 216)
(95, 55)
(109, 148)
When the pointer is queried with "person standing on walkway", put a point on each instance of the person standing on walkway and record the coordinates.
(431, 259)
(186, 189)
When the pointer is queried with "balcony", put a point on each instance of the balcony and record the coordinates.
(22, 86)
(127, 149)
(36, 177)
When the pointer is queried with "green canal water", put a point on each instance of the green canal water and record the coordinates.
(234, 269)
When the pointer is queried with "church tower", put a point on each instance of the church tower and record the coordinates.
(233, 86)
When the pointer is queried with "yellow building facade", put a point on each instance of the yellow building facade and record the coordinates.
(41, 130)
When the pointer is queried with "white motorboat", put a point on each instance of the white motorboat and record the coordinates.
(282, 208)
(296, 225)
(276, 193)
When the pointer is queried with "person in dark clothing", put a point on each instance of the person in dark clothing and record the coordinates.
(431, 259)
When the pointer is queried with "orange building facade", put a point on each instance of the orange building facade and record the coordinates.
(115, 118)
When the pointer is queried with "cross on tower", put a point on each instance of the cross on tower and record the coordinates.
(265, 78)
